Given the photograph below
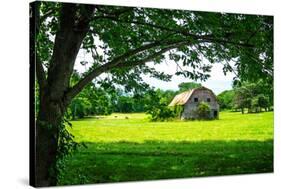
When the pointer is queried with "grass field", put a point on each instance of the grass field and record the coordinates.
(121, 149)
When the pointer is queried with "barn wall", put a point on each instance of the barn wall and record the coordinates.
(191, 106)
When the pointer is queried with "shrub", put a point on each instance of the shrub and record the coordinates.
(203, 110)
(178, 110)
(161, 113)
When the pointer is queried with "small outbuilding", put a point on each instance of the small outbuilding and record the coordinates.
(190, 100)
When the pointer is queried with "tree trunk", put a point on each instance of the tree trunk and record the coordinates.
(73, 28)
(49, 118)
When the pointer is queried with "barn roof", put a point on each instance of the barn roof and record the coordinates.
(182, 98)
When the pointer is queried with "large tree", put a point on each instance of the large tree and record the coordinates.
(122, 40)
(185, 86)
(253, 96)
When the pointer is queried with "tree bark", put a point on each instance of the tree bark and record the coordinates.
(49, 117)
(53, 102)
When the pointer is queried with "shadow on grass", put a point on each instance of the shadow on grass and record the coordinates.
(125, 161)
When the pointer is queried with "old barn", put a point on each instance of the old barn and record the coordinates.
(190, 100)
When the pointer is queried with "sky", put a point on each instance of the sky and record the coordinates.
(218, 82)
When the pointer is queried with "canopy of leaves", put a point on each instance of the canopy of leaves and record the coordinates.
(225, 99)
(157, 105)
(131, 36)
(188, 85)
(253, 96)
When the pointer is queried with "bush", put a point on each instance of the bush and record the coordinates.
(157, 106)
(203, 110)
(178, 110)
(161, 113)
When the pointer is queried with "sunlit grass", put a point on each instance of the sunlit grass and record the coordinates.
(137, 128)
(128, 147)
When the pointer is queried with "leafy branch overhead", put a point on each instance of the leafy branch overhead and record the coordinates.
(129, 37)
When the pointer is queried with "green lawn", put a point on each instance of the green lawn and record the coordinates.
(128, 147)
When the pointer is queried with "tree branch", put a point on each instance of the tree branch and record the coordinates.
(117, 13)
(117, 63)
(208, 38)
(224, 41)
(46, 15)
(185, 33)
(150, 57)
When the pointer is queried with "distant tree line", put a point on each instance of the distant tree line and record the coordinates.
(253, 97)
(104, 100)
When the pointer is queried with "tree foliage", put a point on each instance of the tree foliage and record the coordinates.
(225, 99)
(92, 100)
(253, 96)
(188, 85)
(134, 36)
(157, 106)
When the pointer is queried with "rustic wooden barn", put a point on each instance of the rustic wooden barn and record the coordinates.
(190, 100)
